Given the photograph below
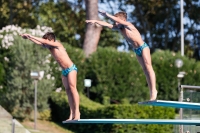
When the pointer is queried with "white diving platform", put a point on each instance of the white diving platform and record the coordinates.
(174, 104)
(135, 121)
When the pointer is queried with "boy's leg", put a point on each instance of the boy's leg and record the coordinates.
(145, 62)
(69, 95)
(74, 94)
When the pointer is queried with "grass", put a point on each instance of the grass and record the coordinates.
(44, 127)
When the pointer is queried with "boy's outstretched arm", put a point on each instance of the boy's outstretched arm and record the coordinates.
(102, 23)
(25, 36)
(116, 19)
(40, 41)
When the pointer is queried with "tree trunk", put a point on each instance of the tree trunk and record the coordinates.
(93, 32)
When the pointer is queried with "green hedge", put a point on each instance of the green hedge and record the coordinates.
(89, 110)
(166, 73)
(118, 77)
(60, 109)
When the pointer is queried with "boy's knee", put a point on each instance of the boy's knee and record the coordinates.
(72, 87)
(149, 67)
(148, 70)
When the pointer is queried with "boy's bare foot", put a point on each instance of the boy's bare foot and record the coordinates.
(76, 117)
(153, 95)
(70, 118)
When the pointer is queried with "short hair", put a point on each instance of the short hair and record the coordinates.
(122, 15)
(50, 36)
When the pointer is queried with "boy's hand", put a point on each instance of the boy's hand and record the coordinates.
(91, 21)
(25, 36)
(103, 13)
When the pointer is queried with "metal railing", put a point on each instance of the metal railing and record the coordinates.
(181, 99)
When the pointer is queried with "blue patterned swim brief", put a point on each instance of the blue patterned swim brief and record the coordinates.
(138, 51)
(65, 72)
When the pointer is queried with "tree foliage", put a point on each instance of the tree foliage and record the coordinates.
(19, 94)
(20, 58)
(19, 12)
(67, 18)
(157, 20)
(159, 23)
(68, 25)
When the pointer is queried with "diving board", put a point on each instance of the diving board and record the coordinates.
(174, 104)
(135, 121)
